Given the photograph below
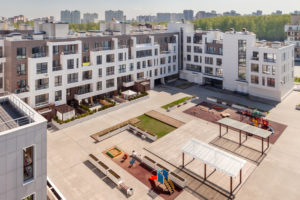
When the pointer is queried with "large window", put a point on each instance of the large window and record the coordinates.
(110, 71)
(254, 67)
(99, 60)
(209, 70)
(21, 69)
(100, 72)
(268, 69)
(254, 79)
(70, 64)
(58, 95)
(99, 85)
(219, 72)
(122, 68)
(87, 75)
(28, 164)
(209, 60)
(58, 81)
(21, 53)
(73, 78)
(196, 68)
(110, 83)
(41, 68)
(110, 58)
(42, 84)
(219, 61)
(242, 44)
(270, 82)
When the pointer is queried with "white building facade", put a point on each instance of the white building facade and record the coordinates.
(23, 151)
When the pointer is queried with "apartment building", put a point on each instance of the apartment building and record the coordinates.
(110, 15)
(23, 151)
(236, 61)
(72, 17)
(188, 15)
(2, 61)
(47, 71)
(293, 34)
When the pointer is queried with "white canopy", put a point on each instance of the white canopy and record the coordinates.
(220, 160)
(129, 93)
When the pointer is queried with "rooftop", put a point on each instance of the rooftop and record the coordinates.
(14, 113)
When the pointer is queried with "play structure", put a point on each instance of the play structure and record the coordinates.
(261, 123)
(114, 152)
(163, 178)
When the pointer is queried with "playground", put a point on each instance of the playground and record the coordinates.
(156, 180)
(213, 113)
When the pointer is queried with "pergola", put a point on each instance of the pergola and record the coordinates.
(245, 128)
(216, 158)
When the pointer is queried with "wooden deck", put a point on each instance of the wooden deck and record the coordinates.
(164, 118)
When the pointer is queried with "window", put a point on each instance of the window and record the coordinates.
(263, 81)
(38, 52)
(131, 67)
(195, 68)
(188, 49)
(209, 70)
(143, 53)
(269, 57)
(163, 61)
(144, 64)
(270, 82)
(21, 53)
(110, 58)
(1, 67)
(208, 60)
(149, 63)
(140, 75)
(42, 84)
(138, 65)
(58, 95)
(99, 60)
(21, 69)
(58, 81)
(174, 58)
(188, 39)
(254, 67)
(31, 197)
(87, 75)
(73, 78)
(156, 52)
(110, 71)
(110, 83)
(242, 44)
(219, 72)
(219, 61)
(254, 79)
(41, 68)
(197, 49)
(85, 47)
(1, 82)
(28, 159)
(55, 50)
(99, 85)
(268, 69)
(196, 59)
(70, 63)
(99, 72)
(122, 68)
(188, 57)
(120, 56)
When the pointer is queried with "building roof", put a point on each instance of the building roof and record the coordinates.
(245, 127)
(216, 158)
(64, 108)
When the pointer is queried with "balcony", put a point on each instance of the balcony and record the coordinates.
(73, 80)
(68, 52)
(56, 68)
(39, 55)
(272, 60)
(22, 90)
(213, 52)
(83, 94)
(41, 87)
(255, 58)
(86, 64)
(128, 84)
(103, 49)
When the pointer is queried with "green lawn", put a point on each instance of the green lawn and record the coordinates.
(297, 79)
(154, 126)
(174, 103)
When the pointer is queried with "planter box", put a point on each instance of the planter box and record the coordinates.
(114, 176)
(112, 133)
(179, 181)
(160, 167)
(297, 107)
(102, 167)
(149, 162)
(148, 135)
(93, 160)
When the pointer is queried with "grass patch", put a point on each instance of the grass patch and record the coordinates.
(297, 79)
(154, 126)
(174, 103)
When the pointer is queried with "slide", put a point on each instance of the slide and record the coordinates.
(171, 184)
(152, 178)
(167, 184)
(271, 129)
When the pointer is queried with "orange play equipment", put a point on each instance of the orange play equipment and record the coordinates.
(153, 178)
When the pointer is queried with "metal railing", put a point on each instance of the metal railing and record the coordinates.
(39, 55)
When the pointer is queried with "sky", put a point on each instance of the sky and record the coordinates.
(132, 8)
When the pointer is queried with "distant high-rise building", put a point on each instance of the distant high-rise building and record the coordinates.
(176, 17)
(231, 13)
(188, 15)
(163, 17)
(72, 17)
(145, 18)
(89, 18)
(293, 33)
(203, 14)
(118, 15)
(277, 12)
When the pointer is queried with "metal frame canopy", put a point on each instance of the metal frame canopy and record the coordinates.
(216, 158)
(245, 127)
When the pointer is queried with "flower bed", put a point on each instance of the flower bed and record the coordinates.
(138, 96)
(176, 103)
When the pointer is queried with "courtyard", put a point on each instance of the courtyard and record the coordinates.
(76, 178)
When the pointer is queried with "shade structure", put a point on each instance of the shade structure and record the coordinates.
(216, 158)
(245, 127)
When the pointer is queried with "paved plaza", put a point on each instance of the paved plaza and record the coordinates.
(274, 177)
